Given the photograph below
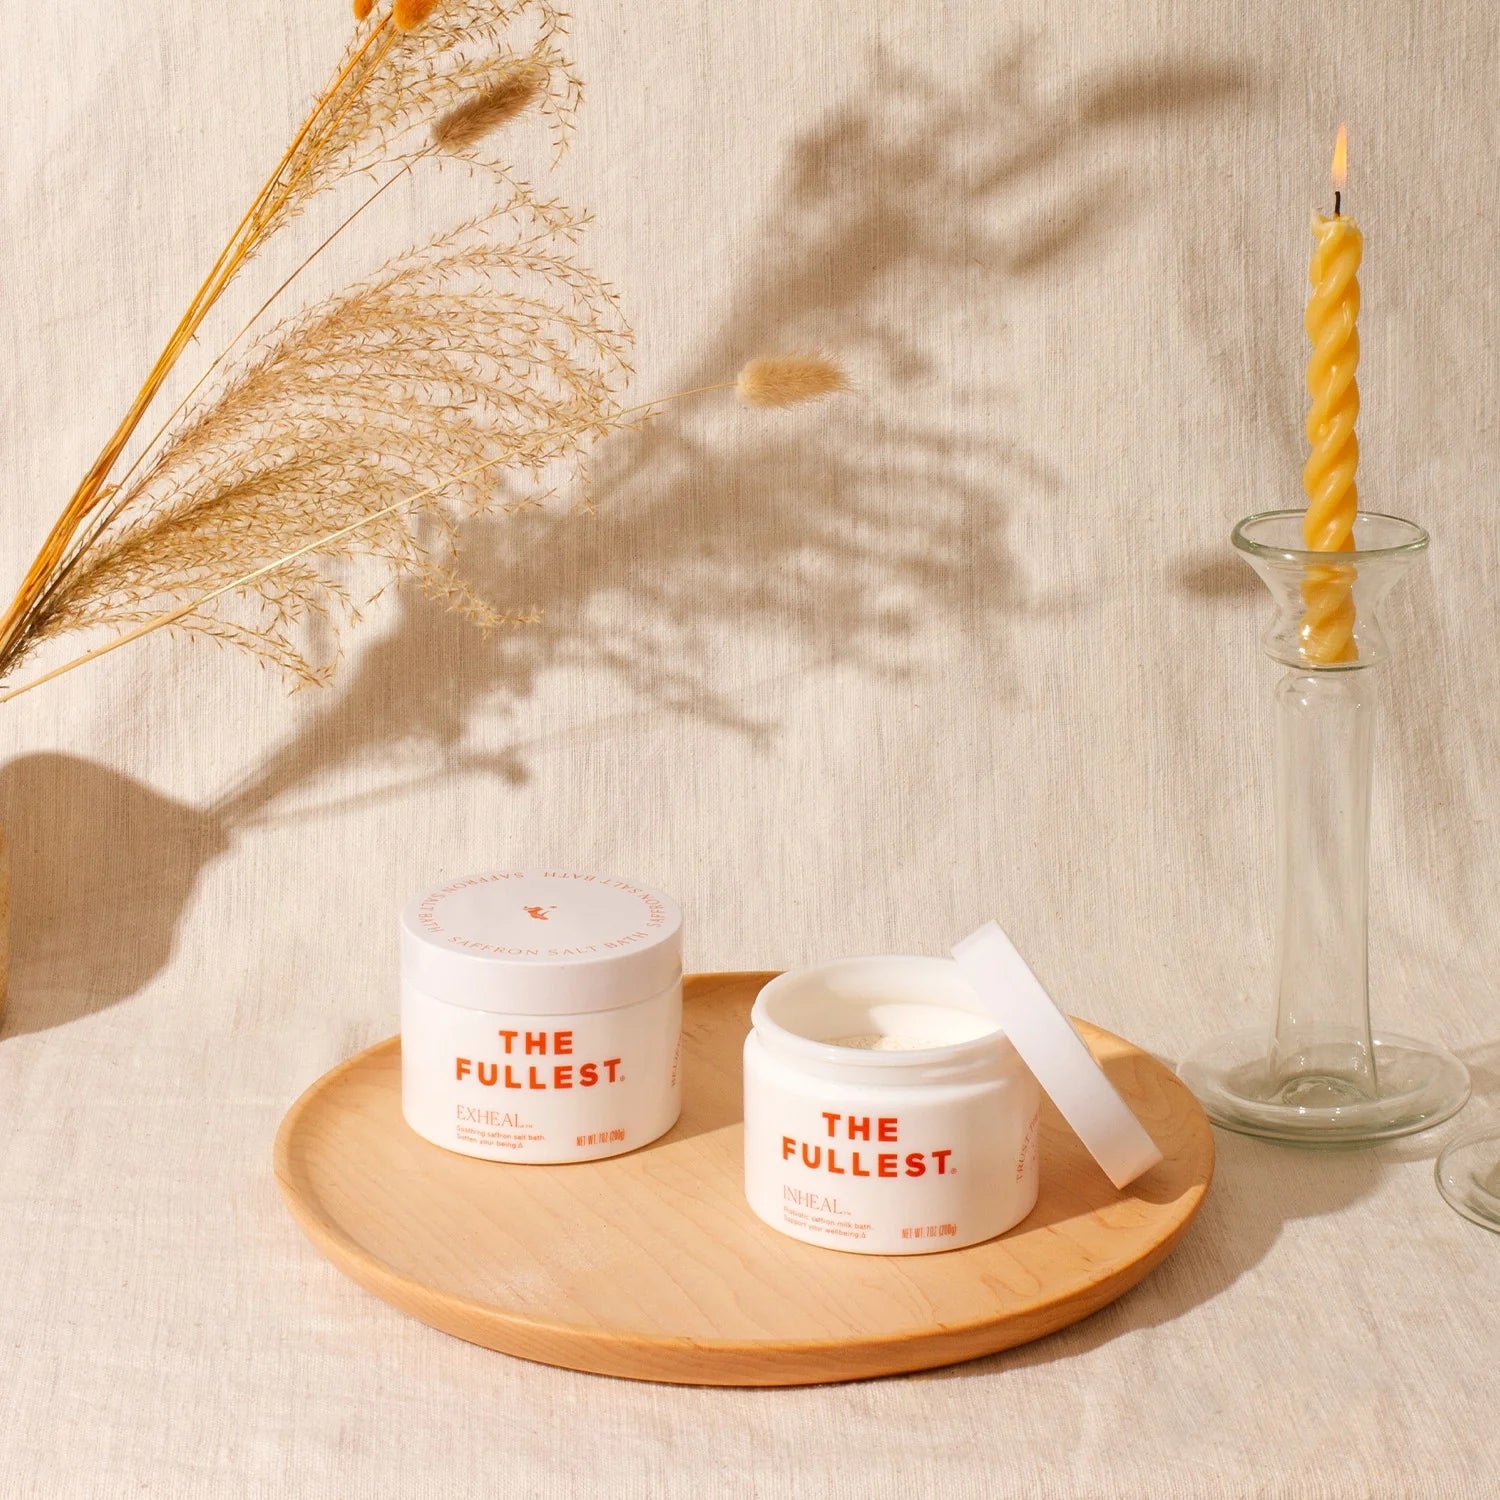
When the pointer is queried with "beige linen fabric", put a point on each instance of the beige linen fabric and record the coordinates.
(967, 644)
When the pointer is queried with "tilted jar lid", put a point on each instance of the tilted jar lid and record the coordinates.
(1053, 1050)
(541, 942)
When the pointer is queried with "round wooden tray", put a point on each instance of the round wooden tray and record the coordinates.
(650, 1266)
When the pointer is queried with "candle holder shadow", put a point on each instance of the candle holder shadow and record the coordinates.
(1320, 1074)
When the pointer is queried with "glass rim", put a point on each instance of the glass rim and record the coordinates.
(1304, 557)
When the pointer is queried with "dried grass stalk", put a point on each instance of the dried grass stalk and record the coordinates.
(388, 92)
(489, 343)
(470, 372)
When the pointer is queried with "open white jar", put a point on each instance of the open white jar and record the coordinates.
(885, 1111)
(541, 1016)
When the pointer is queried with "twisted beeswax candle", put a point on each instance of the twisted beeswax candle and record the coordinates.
(1328, 478)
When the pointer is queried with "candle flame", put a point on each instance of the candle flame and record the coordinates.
(1340, 173)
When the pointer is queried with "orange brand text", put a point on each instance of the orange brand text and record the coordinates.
(851, 1148)
(530, 1062)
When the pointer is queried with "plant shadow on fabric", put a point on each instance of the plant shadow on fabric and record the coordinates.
(907, 221)
(914, 209)
(102, 867)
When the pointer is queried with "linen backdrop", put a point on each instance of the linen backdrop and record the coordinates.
(969, 642)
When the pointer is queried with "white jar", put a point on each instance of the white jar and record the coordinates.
(541, 1016)
(922, 1140)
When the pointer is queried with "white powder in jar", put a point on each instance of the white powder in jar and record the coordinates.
(877, 1041)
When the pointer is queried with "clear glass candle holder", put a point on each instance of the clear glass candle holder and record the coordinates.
(1319, 1074)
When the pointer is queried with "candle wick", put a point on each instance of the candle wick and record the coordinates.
(1337, 199)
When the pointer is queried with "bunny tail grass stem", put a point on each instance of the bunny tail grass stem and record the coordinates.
(697, 390)
(86, 497)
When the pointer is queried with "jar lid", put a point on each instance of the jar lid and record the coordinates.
(541, 942)
(1053, 1050)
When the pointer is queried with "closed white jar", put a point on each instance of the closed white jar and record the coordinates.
(541, 1016)
(885, 1112)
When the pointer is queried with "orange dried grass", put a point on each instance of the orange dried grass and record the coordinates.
(410, 14)
(359, 431)
(379, 106)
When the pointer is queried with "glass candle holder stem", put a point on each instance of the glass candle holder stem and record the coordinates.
(1322, 1053)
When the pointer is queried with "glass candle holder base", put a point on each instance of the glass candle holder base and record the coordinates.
(1468, 1174)
(1417, 1085)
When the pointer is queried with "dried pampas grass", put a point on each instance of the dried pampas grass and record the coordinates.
(469, 374)
(439, 364)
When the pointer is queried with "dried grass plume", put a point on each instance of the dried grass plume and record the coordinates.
(409, 14)
(789, 380)
(469, 374)
(463, 127)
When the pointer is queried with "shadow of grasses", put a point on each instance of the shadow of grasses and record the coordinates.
(865, 533)
(855, 534)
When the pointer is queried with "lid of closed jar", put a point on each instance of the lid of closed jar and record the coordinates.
(541, 942)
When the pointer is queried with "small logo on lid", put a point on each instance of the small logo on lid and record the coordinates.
(538, 913)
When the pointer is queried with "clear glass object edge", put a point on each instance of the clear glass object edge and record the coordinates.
(1319, 1073)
